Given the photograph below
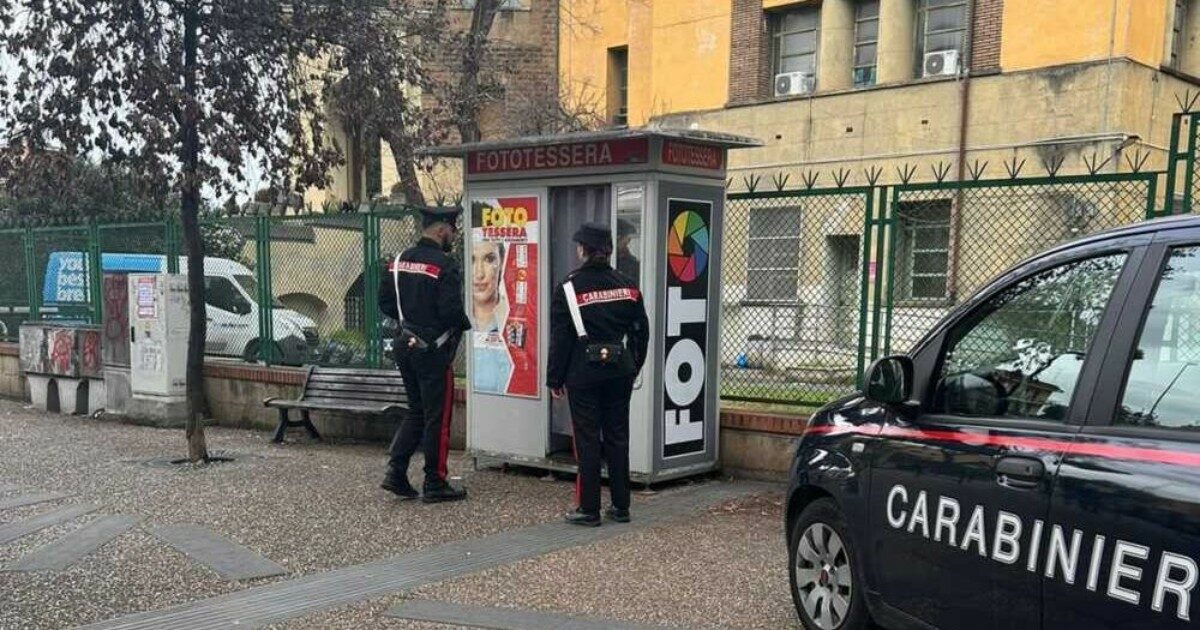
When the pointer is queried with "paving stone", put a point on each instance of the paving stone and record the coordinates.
(281, 601)
(13, 531)
(229, 559)
(503, 618)
(73, 547)
(23, 500)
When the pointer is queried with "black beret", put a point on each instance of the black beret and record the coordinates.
(595, 235)
(442, 214)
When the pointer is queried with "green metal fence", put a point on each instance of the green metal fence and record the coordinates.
(817, 282)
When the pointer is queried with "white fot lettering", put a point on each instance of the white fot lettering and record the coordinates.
(947, 517)
(1182, 589)
(1120, 569)
(1058, 555)
(693, 311)
(975, 532)
(1005, 546)
(920, 514)
(684, 352)
(896, 520)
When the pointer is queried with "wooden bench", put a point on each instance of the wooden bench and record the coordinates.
(368, 392)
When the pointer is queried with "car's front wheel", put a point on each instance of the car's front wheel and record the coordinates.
(826, 588)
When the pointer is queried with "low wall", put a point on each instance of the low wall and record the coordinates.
(753, 444)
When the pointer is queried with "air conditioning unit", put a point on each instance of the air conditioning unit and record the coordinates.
(943, 63)
(794, 83)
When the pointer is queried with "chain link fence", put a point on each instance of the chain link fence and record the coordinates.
(792, 292)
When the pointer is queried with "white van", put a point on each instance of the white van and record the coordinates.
(230, 295)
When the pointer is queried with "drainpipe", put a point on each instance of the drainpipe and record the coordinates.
(964, 119)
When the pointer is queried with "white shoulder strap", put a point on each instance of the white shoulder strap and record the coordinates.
(573, 306)
(396, 286)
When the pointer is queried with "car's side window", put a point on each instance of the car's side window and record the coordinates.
(221, 293)
(1020, 354)
(1163, 386)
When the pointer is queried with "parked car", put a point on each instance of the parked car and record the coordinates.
(1034, 462)
(230, 295)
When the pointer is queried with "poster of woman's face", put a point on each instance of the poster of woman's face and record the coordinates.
(487, 263)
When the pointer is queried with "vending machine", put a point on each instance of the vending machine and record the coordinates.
(663, 192)
(158, 336)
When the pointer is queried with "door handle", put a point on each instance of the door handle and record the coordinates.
(1019, 472)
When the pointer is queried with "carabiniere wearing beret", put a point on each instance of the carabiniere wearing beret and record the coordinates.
(599, 333)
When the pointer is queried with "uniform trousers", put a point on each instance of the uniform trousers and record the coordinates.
(600, 418)
(429, 381)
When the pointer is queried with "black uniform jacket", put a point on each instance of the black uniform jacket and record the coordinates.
(613, 312)
(431, 287)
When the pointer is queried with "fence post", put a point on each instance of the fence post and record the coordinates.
(892, 225)
(1190, 161)
(864, 287)
(95, 272)
(171, 244)
(266, 313)
(371, 276)
(880, 269)
(1151, 195)
(31, 276)
(1172, 159)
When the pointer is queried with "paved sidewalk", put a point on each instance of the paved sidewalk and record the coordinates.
(312, 511)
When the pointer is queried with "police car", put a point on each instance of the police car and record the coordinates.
(1034, 462)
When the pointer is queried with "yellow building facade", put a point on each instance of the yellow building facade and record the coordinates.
(1010, 75)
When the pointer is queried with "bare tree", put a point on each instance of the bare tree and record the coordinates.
(180, 91)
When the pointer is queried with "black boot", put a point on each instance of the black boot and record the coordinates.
(399, 486)
(617, 515)
(584, 519)
(442, 492)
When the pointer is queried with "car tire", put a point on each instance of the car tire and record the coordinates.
(827, 587)
(250, 353)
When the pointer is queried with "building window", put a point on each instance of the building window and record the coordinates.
(773, 254)
(618, 86)
(1178, 33)
(794, 37)
(941, 28)
(923, 256)
(866, 42)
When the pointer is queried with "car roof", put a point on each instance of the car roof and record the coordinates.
(1150, 226)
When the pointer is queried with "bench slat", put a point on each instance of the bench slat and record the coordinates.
(360, 380)
(348, 405)
(355, 396)
(321, 371)
(354, 387)
(335, 405)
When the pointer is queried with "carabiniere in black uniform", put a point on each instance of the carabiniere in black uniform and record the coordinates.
(598, 338)
(422, 288)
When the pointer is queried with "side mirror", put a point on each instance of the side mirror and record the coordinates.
(889, 380)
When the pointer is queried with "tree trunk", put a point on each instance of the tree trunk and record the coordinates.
(482, 18)
(406, 167)
(190, 213)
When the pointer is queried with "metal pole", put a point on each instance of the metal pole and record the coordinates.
(171, 247)
(892, 225)
(1191, 164)
(1172, 161)
(31, 275)
(95, 272)
(877, 298)
(864, 288)
(371, 281)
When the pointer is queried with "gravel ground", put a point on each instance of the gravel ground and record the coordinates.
(313, 507)
(723, 569)
(309, 507)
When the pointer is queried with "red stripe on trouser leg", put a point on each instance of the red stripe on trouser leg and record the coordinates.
(447, 414)
(578, 474)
